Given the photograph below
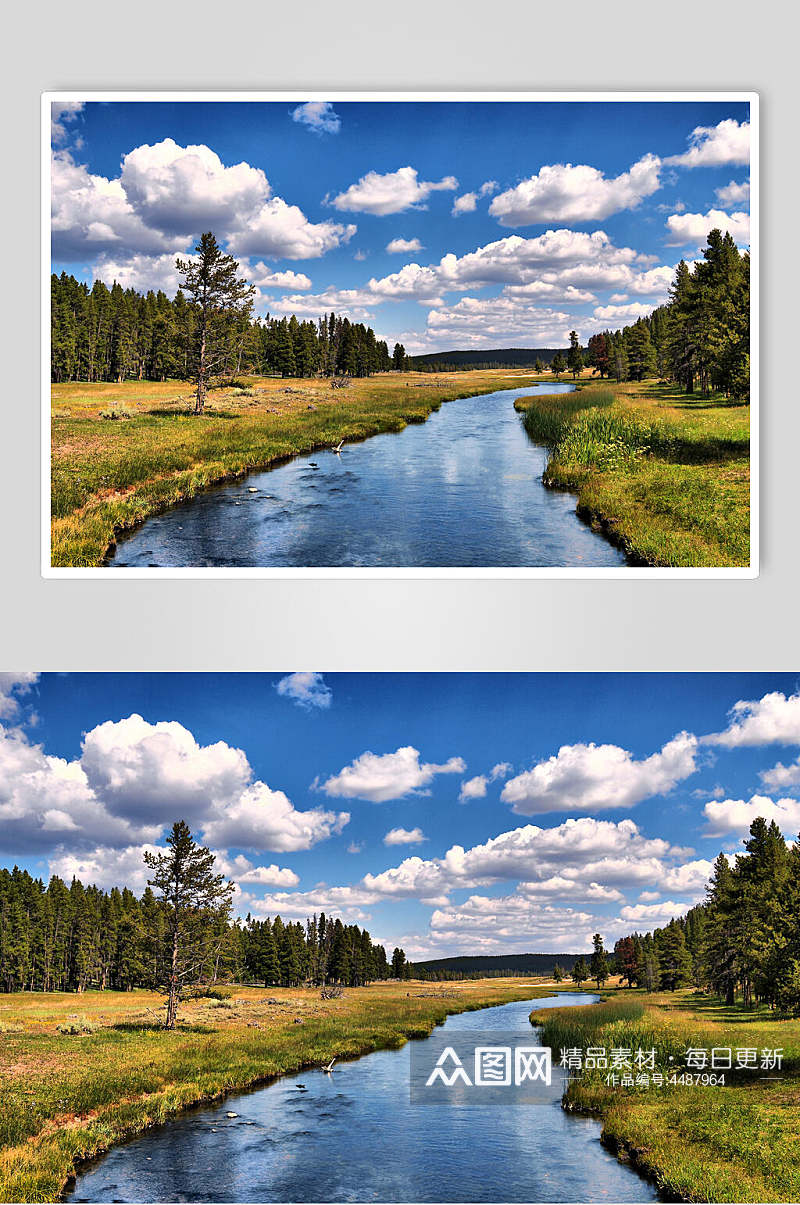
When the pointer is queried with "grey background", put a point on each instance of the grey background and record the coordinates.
(408, 623)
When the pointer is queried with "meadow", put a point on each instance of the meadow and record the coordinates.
(738, 1142)
(665, 475)
(80, 1072)
(123, 452)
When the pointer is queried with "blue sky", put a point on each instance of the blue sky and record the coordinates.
(447, 813)
(444, 225)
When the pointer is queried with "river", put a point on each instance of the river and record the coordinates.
(355, 1136)
(463, 489)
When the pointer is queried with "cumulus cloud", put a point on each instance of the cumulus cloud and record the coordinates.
(713, 146)
(307, 689)
(165, 195)
(779, 777)
(404, 836)
(481, 322)
(475, 788)
(593, 777)
(282, 231)
(354, 303)
(614, 313)
(561, 192)
(726, 816)
(652, 914)
(686, 228)
(773, 719)
(182, 190)
(390, 192)
(62, 112)
(140, 272)
(135, 767)
(466, 203)
(581, 850)
(105, 867)
(265, 278)
(380, 777)
(319, 116)
(14, 687)
(733, 194)
(262, 818)
(242, 870)
(403, 245)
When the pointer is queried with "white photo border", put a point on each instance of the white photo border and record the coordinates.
(626, 573)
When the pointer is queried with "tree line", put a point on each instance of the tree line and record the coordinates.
(206, 331)
(742, 942)
(60, 937)
(700, 339)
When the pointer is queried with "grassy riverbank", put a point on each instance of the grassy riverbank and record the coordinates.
(123, 452)
(69, 1096)
(740, 1142)
(665, 475)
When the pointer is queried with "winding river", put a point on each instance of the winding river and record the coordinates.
(355, 1136)
(463, 489)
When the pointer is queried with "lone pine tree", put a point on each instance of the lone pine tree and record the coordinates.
(223, 304)
(196, 900)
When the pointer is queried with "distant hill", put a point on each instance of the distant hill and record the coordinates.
(504, 357)
(497, 964)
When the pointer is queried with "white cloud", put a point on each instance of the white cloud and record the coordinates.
(689, 879)
(712, 146)
(137, 768)
(733, 194)
(380, 777)
(354, 303)
(736, 815)
(592, 777)
(14, 687)
(653, 914)
(773, 719)
(686, 228)
(404, 836)
(613, 313)
(466, 203)
(105, 867)
(561, 192)
(403, 245)
(183, 190)
(647, 897)
(62, 112)
(476, 322)
(391, 192)
(261, 818)
(140, 272)
(265, 278)
(319, 116)
(306, 689)
(91, 215)
(488, 187)
(282, 231)
(473, 788)
(779, 777)
(242, 870)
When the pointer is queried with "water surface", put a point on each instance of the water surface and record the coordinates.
(463, 489)
(355, 1136)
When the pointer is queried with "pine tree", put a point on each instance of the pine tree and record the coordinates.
(193, 895)
(575, 356)
(598, 965)
(211, 280)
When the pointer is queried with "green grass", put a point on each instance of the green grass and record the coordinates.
(740, 1142)
(108, 474)
(69, 1096)
(666, 477)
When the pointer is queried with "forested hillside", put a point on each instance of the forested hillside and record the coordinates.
(503, 357)
(743, 941)
(70, 938)
(490, 965)
(700, 339)
(116, 334)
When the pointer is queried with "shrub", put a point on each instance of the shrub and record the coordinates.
(77, 1025)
